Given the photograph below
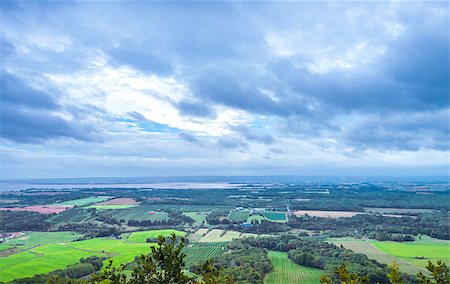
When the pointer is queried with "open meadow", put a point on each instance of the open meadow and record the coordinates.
(418, 252)
(48, 251)
(287, 272)
(411, 256)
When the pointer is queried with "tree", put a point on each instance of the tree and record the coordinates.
(350, 278)
(164, 265)
(395, 276)
(439, 272)
(212, 275)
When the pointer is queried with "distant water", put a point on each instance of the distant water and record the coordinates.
(201, 182)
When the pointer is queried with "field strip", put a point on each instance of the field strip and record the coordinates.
(20, 259)
(372, 252)
(286, 271)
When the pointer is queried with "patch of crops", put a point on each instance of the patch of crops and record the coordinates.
(141, 237)
(239, 215)
(287, 272)
(198, 253)
(85, 201)
(275, 216)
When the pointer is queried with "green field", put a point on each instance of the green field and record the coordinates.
(40, 238)
(417, 253)
(141, 237)
(407, 254)
(372, 252)
(287, 272)
(141, 212)
(41, 259)
(73, 215)
(275, 216)
(85, 201)
(199, 217)
(62, 251)
(239, 216)
(197, 253)
(258, 218)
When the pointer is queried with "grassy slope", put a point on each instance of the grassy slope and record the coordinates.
(63, 252)
(287, 272)
(412, 251)
(40, 238)
(198, 217)
(404, 253)
(41, 259)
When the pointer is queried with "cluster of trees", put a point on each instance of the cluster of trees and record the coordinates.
(245, 263)
(433, 224)
(11, 221)
(108, 219)
(175, 218)
(85, 267)
(218, 217)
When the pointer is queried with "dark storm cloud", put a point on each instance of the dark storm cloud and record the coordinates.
(26, 114)
(403, 131)
(30, 126)
(14, 91)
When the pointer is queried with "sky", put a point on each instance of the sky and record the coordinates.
(117, 89)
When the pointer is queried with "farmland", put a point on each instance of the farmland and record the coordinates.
(141, 212)
(117, 231)
(196, 253)
(199, 217)
(40, 238)
(239, 215)
(219, 236)
(85, 201)
(275, 216)
(287, 272)
(367, 248)
(41, 259)
(327, 214)
(111, 206)
(417, 253)
(43, 209)
(141, 237)
(73, 215)
(258, 218)
(61, 251)
(401, 211)
(411, 256)
(119, 201)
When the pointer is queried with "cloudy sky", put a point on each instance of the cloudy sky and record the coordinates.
(225, 88)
